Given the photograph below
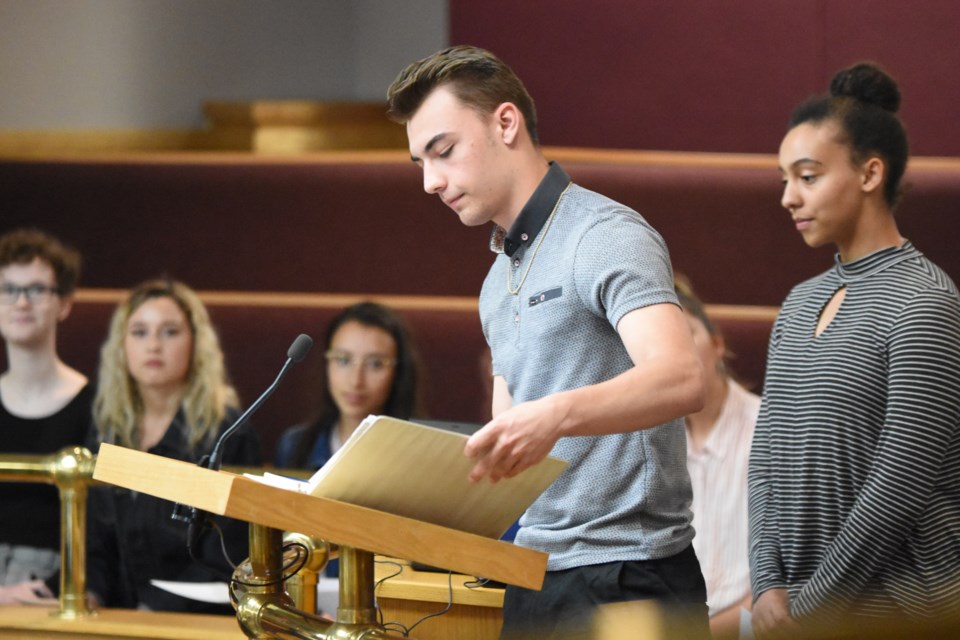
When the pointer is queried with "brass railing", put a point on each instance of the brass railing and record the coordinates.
(71, 470)
(265, 609)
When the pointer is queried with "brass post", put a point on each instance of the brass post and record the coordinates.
(264, 610)
(302, 586)
(266, 558)
(72, 473)
(71, 470)
(357, 604)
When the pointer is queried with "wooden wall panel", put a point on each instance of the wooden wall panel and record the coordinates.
(713, 76)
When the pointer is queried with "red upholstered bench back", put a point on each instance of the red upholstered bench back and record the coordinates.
(360, 222)
(256, 330)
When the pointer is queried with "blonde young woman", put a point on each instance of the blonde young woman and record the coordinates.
(163, 389)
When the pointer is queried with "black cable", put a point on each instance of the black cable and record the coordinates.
(223, 544)
(396, 626)
(377, 584)
(392, 575)
(442, 611)
(404, 630)
(302, 556)
(488, 583)
(215, 569)
(476, 583)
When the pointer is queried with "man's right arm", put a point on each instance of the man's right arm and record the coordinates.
(501, 396)
(665, 382)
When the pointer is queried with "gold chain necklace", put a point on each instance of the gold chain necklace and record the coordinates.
(533, 256)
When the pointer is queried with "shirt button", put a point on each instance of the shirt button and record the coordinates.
(516, 262)
(516, 318)
(524, 237)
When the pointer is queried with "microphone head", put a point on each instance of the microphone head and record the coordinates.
(300, 347)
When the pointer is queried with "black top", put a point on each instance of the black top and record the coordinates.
(132, 538)
(30, 512)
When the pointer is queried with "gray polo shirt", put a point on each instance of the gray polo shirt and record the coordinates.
(624, 496)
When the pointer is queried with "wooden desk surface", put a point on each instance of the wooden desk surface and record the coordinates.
(34, 623)
(410, 597)
(431, 586)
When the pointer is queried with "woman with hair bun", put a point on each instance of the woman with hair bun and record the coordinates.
(854, 478)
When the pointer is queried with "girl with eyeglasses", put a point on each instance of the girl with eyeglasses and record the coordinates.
(371, 368)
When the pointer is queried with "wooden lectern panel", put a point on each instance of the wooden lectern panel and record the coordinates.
(410, 595)
(338, 522)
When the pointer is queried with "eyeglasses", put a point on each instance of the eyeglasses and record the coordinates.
(10, 293)
(345, 361)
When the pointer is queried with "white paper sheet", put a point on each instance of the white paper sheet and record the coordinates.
(213, 592)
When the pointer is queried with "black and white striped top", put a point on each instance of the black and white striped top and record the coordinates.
(854, 479)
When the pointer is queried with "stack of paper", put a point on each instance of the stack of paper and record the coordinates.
(421, 472)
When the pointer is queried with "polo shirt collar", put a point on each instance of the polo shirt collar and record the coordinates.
(533, 215)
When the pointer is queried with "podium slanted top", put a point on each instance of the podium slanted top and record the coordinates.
(339, 522)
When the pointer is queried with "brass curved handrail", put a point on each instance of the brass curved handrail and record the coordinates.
(264, 608)
(71, 470)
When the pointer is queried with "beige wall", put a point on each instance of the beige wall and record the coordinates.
(149, 64)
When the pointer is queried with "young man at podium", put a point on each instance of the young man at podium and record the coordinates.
(593, 361)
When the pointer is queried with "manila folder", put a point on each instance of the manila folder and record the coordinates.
(420, 472)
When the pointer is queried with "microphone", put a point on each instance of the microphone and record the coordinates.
(195, 518)
(296, 353)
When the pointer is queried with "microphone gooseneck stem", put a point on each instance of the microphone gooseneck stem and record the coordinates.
(297, 352)
(195, 518)
(217, 454)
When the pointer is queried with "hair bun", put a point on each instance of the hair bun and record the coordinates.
(867, 83)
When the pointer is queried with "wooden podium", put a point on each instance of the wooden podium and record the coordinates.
(359, 531)
(408, 596)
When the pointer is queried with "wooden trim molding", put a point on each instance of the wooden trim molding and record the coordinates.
(200, 147)
(399, 302)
